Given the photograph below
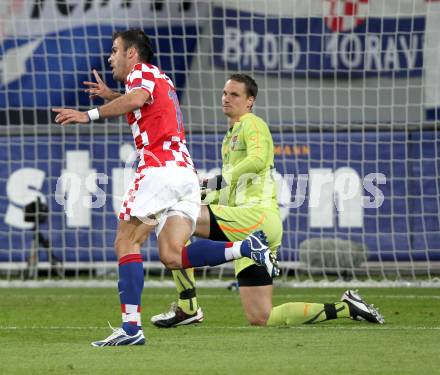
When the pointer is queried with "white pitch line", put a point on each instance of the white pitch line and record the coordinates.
(201, 296)
(392, 296)
(214, 328)
(327, 295)
(320, 327)
(293, 296)
(55, 328)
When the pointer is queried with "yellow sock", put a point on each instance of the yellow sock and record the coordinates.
(186, 287)
(294, 313)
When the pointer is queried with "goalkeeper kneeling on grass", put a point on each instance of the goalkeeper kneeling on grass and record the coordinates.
(247, 191)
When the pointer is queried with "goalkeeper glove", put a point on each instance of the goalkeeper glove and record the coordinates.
(209, 184)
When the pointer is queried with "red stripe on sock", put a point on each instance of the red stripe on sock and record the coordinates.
(123, 308)
(185, 260)
(139, 308)
(130, 258)
(229, 244)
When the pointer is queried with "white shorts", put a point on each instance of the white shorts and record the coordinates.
(161, 192)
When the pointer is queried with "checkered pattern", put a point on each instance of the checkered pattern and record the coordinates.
(131, 314)
(127, 205)
(157, 127)
(180, 153)
(345, 15)
(154, 191)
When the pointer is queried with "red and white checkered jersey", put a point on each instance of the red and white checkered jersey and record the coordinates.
(157, 126)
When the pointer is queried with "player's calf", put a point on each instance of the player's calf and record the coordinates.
(171, 259)
(211, 253)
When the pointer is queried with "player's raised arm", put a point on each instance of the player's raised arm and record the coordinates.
(99, 89)
(119, 106)
(124, 104)
(70, 116)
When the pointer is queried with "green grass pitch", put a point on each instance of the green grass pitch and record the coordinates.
(48, 331)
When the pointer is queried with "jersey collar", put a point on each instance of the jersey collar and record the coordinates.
(245, 116)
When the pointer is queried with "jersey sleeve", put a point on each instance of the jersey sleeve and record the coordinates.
(141, 78)
(257, 139)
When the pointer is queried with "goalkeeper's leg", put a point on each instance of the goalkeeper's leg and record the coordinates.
(351, 306)
(256, 297)
(186, 288)
(293, 313)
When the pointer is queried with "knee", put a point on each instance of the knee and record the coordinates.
(118, 244)
(257, 321)
(171, 257)
(125, 245)
(121, 244)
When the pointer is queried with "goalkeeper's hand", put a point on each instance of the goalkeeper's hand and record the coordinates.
(208, 185)
(204, 191)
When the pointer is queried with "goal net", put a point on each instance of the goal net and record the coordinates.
(350, 89)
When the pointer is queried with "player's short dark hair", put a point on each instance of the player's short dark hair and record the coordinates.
(138, 39)
(249, 82)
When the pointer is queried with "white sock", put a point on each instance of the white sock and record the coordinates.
(232, 250)
(131, 313)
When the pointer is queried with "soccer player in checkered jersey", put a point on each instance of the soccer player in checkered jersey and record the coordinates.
(165, 193)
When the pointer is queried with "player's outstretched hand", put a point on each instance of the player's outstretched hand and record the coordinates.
(70, 116)
(98, 89)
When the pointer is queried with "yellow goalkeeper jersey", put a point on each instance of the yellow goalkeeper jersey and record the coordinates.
(248, 165)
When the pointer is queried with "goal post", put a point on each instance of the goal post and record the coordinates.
(350, 90)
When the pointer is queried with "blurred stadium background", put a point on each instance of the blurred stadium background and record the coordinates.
(350, 89)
